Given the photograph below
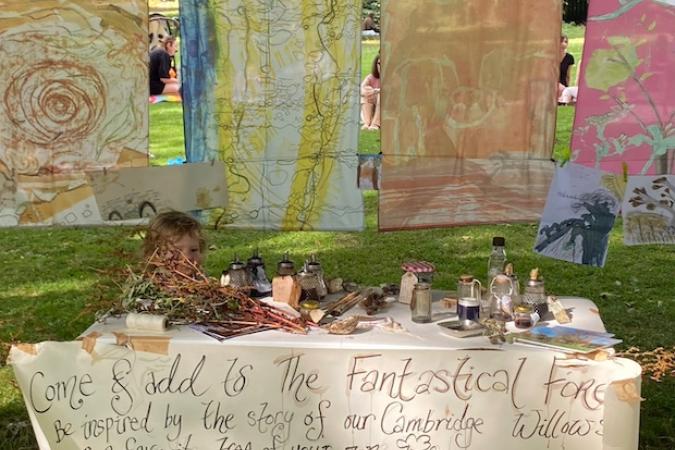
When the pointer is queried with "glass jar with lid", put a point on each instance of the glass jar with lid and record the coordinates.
(420, 305)
(522, 316)
(534, 293)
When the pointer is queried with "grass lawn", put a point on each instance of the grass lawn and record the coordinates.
(54, 279)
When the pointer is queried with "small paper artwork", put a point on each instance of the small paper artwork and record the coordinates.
(140, 193)
(579, 215)
(649, 210)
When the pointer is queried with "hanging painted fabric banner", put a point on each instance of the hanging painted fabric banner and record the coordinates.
(73, 97)
(580, 211)
(469, 104)
(649, 210)
(626, 108)
(272, 90)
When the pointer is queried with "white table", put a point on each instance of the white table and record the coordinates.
(417, 389)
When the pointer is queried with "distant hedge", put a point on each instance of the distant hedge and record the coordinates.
(372, 6)
(575, 11)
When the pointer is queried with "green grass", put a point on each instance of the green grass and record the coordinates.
(54, 279)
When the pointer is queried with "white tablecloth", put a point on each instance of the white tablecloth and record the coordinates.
(584, 313)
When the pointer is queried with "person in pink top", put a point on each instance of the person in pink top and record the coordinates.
(370, 98)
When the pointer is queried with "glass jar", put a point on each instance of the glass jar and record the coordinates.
(468, 287)
(237, 276)
(420, 305)
(522, 316)
(307, 306)
(534, 294)
(314, 266)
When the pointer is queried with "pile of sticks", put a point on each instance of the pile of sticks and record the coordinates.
(180, 290)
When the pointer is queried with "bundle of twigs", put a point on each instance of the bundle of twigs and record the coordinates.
(179, 289)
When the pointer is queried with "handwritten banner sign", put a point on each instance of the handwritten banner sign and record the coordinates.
(180, 396)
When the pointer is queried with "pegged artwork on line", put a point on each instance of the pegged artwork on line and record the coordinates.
(580, 211)
(649, 210)
(134, 194)
(272, 90)
(626, 108)
(73, 97)
(468, 110)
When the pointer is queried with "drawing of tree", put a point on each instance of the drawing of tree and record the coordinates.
(590, 229)
(609, 70)
(661, 199)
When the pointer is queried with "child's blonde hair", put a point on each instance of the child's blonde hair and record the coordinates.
(168, 227)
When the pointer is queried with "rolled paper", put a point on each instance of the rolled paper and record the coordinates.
(147, 322)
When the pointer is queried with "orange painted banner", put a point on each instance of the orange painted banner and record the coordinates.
(468, 111)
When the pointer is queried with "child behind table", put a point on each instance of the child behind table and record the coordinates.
(171, 231)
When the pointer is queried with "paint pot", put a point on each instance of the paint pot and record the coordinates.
(468, 308)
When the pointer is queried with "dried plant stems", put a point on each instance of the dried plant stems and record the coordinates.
(179, 289)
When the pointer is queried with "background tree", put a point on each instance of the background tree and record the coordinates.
(575, 11)
(371, 6)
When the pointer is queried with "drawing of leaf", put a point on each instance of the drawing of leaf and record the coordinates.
(612, 66)
(639, 139)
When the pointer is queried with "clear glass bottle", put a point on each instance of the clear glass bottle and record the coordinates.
(497, 258)
(421, 303)
(508, 271)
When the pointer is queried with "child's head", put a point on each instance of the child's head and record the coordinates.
(175, 230)
(375, 70)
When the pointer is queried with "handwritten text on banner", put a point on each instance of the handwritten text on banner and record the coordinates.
(228, 397)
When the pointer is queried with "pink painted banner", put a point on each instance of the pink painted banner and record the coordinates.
(626, 107)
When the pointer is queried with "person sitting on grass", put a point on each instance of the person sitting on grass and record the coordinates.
(370, 97)
(171, 236)
(161, 81)
(566, 63)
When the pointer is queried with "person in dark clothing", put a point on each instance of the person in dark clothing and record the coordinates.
(161, 81)
(566, 62)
